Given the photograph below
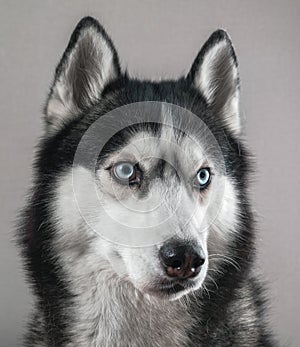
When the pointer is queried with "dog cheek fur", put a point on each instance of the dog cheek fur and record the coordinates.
(224, 227)
(103, 299)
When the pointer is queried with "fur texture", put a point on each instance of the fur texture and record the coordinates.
(93, 292)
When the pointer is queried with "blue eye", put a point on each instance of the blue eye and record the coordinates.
(125, 173)
(203, 177)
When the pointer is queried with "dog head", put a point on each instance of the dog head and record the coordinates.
(143, 174)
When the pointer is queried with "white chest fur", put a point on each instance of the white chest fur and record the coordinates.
(110, 312)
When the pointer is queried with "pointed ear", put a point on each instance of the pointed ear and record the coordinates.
(215, 74)
(89, 63)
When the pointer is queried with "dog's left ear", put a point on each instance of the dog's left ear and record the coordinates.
(89, 63)
(215, 74)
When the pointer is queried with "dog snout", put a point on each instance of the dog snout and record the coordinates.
(181, 260)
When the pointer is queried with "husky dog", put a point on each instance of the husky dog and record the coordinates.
(140, 233)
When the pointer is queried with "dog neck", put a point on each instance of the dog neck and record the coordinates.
(108, 309)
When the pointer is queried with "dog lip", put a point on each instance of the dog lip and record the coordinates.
(168, 287)
(186, 283)
(171, 289)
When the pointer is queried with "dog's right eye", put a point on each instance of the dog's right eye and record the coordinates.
(126, 173)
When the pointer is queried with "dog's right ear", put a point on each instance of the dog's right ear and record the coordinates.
(89, 63)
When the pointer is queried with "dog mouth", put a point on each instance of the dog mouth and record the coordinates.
(170, 289)
(166, 288)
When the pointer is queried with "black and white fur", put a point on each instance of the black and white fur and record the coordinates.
(91, 292)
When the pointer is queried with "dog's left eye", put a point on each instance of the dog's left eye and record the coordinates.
(203, 177)
(125, 173)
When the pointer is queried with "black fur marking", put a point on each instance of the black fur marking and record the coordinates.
(52, 311)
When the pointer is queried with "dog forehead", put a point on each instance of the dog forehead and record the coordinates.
(169, 144)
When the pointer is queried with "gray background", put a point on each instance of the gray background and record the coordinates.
(160, 39)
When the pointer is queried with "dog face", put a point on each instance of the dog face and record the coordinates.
(145, 178)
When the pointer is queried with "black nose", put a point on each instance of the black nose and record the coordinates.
(181, 260)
